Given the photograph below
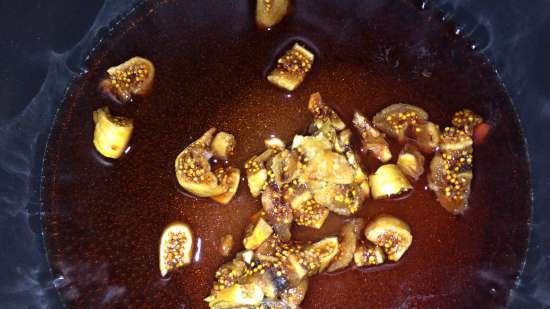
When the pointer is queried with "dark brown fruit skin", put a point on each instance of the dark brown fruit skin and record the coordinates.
(102, 222)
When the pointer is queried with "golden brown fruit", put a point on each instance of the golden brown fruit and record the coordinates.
(294, 296)
(256, 172)
(284, 167)
(325, 250)
(292, 67)
(395, 119)
(176, 247)
(257, 235)
(425, 134)
(340, 199)
(331, 167)
(277, 212)
(133, 77)
(411, 161)
(223, 145)
(229, 178)
(391, 234)
(270, 12)
(466, 120)
(388, 181)
(323, 114)
(349, 235)
(307, 212)
(368, 255)
(372, 140)
(236, 295)
(112, 133)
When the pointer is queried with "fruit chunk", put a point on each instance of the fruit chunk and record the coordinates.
(323, 114)
(411, 161)
(388, 181)
(257, 235)
(294, 296)
(277, 212)
(466, 120)
(223, 145)
(112, 133)
(368, 255)
(325, 250)
(270, 12)
(256, 173)
(275, 143)
(133, 77)
(284, 167)
(372, 140)
(235, 296)
(176, 246)
(331, 167)
(307, 212)
(451, 173)
(193, 170)
(292, 67)
(395, 119)
(229, 178)
(391, 234)
(349, 235)
(340, 199)
(425, 134)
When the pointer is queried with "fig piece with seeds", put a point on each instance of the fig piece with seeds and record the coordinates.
(393, 235)
(133, 77)
(111, 133)
(292, 68)
(372, 140)
(176, 247)
(270, 12)
(388, 181)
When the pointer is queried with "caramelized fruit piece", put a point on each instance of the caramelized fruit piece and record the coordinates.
(372, 140)
(323, 114)
(277, 212)
(349, 235)
(229, 273)
(176, 246)
(368, 255)
(391, 234)
(228, 178)
(266, 282)
(388, 181)
(292, 68)
(395, 119)
(454, 139)
(284, 167)
(257, 235)
(223, 145)
(235, 296)
(294, 296)
(340, 199)
(426, 135)
(307, 212)
(270, 12)
(112, 133)
(411, 161)
(325, 250)
(256, 173)
(133, 77)
(226, 244)
(466, 120)
(193, 170)
(331, 167)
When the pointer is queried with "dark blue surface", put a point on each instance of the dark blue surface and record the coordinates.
(43, 45)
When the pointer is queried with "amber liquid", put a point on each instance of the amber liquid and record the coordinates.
(103, 219)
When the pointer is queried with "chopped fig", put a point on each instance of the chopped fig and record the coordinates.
(229, 273)
(292, 269)
(391, 234)
(426, 135)
(340, 199)
(411, 161)
(193, 170)
(270, 12)
(223, 145)
(294, 296)
(275, 143)
(388, 181)
(236, 295)
(395, 119)
(176, 247)
(451, 171)
(226, 244)
(349, 236)
(307, 212)
(466, 120)
(311, 146)
(257, 235)
(292, 67)
(133, 77)
(323, 113)
(373, 141)
(229, 178)
(256, 173)
(277, 212)
(112, 133)
(325, 249)
(331, 167)
(266, 282)
(368, 255)
(284, 167)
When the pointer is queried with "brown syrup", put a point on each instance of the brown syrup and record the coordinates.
(103, 219)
